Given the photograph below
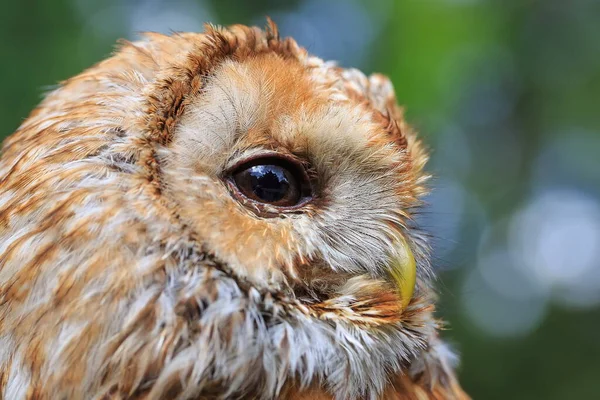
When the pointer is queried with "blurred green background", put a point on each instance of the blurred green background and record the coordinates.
(506, 93)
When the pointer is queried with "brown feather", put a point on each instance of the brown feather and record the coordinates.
(128, 270)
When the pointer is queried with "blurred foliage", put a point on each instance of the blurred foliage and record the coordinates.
(512, 77)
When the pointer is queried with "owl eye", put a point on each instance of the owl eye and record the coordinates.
(273, 181)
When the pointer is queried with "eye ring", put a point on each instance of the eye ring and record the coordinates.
(270, 183)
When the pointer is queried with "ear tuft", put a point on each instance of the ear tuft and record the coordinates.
(381, 92)
(272, 31)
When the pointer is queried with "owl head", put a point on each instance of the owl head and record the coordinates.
(215, 216)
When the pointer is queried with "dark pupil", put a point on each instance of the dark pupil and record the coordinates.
(269, 182)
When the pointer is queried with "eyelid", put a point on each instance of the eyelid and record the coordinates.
(237, 160)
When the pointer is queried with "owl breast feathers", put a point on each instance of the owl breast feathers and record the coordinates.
(217, 216)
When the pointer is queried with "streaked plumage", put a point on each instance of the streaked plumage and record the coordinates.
(130, 270)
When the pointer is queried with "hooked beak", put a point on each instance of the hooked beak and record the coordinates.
(403, 270)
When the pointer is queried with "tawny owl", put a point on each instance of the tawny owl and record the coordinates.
(217, 216)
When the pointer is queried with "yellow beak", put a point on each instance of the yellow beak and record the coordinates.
(403, 270)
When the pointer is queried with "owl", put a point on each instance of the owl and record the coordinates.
(217, 215)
